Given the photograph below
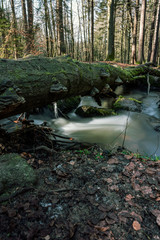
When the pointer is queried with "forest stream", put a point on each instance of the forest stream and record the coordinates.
(138, 132)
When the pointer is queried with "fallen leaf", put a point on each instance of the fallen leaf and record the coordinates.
(30, 161)
(128, 157)
(136, 225)
(156, 212)
(24, 154)
(47, 237)
(113, 161)
(128, 197)
(146, 190)
(72, 163)
(40, 161)
(102, 229)
(150, 171)
(130, 167)
(135, 215)
(158, 220)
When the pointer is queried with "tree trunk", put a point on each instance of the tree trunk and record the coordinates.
(89, 35)
(122, 33)
(111, 28)
(30, 47)
(14, 26)
(134, 34)
(35, 82)
(46, 26)
(142, 31)
(155, 37)
(152, 30)
(25, 24)
(54, 30)
(60, 30)
(72, 32)
(84, 31)
(92, 29)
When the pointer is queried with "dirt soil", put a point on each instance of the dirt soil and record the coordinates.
(87, 194)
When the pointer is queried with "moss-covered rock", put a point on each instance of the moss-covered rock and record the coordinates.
(14, 173)
(129, 104)
(90, 111)
(69, 104)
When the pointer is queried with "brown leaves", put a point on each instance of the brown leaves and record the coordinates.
(128, 197)
(158, 220)
(156, 213)
(113, 161)
(102, 229)
(136, 225)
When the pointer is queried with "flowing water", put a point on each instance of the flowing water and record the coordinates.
(55, 109)
(139, 135)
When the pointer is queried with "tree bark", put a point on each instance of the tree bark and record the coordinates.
(111, 28)
(141, 34)
(30, 46)
(46, 26)
(72, 32)
(134, 34)
(25, 24)
(152, 29)
(92, 29)
(155, 36)
(34, 82)
(14, 26)
(60, 30)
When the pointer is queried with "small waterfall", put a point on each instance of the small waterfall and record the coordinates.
(55, 109)
(149, 85)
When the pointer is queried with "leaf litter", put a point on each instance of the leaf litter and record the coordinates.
(82, 197)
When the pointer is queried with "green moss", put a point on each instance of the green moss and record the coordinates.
(69, 104)
(117, 104)
(14, 173)
(135, 100)
(89, 111)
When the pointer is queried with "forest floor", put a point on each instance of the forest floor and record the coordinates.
(87, 194)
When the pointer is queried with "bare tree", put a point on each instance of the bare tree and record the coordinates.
(111, 28)
(30, 46)
(92, 29)
(14, 27)
(60, 30)
(134, 34)
(25, 23)
(152, 29)
(142, 33)
(72, 32)
(155, 37)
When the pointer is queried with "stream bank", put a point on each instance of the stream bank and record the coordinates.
(82, 195)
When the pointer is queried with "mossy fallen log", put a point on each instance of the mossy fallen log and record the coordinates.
(37, 81)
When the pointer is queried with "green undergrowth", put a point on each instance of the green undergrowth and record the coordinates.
(141, 156)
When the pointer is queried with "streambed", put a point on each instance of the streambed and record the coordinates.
(110, 132)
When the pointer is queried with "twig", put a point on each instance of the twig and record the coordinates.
(42, 148)
(125, 131)
(63, 190)
(156, 147)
